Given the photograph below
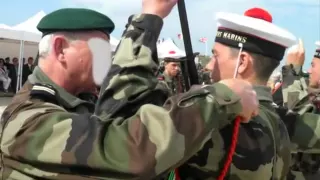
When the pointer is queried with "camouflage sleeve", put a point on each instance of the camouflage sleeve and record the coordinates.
(132, 80)
(152, 141)
(305, 137)
(294, 86)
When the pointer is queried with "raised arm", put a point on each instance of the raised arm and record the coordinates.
(294, 86)
(132, 80)
(152, 141)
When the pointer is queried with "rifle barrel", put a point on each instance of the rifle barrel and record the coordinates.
(191, 70)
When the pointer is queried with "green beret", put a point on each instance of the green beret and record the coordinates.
(75, 19)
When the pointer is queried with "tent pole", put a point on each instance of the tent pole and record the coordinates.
(19, 78)
(22, 53)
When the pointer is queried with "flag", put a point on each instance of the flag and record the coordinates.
(180, 36)
(203, 39)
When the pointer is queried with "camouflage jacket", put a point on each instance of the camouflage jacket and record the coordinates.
(262, 152)
(173, 84)
(204, 77)
(128, 136)
(304, 101)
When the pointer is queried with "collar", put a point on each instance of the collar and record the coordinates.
(167, 78)
(68, 100)
(263, 93)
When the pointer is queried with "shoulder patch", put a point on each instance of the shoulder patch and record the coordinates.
(44, 92)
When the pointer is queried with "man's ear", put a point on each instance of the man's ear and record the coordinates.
(245, 62)
(59, 43)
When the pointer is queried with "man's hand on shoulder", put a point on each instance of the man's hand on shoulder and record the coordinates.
(249, 101)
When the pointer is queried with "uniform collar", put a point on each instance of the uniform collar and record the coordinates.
(167, 78)
(263, 93)
(67, 99)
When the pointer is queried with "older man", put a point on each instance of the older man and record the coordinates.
(49, 133)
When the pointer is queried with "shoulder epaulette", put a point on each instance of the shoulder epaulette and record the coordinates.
(44, 92)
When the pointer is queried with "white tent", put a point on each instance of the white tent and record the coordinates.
(168, 49)
(30, 25)
(3, 26)
(11, 37)
(20, 40)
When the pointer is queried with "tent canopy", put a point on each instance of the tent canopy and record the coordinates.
(30, 25)
(3, 26)
(168, 49)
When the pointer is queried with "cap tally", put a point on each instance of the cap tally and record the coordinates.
(256, 35)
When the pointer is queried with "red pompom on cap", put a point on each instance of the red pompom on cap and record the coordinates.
(259, 14)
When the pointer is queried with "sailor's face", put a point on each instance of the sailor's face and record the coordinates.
(172, 68)
(222, 64)
(314, 73)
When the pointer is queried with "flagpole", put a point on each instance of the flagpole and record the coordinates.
(206, 48)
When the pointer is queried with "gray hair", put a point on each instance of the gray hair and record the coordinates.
(45, 44)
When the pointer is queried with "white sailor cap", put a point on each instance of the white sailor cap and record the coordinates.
(256, 34)
(317, 53)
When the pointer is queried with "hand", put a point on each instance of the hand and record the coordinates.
(161, 8)
(249, 101)
(296, 54)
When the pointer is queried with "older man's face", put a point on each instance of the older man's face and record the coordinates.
(79, 59)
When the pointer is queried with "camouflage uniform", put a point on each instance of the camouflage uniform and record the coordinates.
(305, 163)
(43, 136)
(262, 152)
(205, 77)
(174, 84)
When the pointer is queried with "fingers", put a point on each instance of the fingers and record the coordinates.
(251, 106)
(301, 46)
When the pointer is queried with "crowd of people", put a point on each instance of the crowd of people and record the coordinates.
(9, 72)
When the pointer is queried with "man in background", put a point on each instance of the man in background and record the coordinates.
(27, 69)
(171, 75)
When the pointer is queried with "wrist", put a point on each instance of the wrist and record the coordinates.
(148, 22)
(154, 13)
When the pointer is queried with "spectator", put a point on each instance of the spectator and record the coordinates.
(13, 74)
(4, 75)
(27, 69)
